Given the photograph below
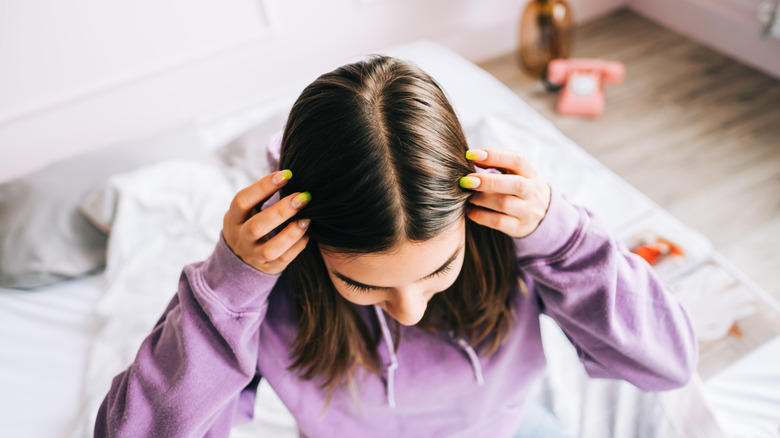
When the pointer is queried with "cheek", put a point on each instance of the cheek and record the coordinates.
(445, 281)
(442, 283)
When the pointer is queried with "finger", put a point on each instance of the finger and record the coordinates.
(262, 223)
(503, 159)
(507, 204)
(279, 244)
(247, 198)
(498, 183)
(498, 221)
(280, 264)
(293, 251)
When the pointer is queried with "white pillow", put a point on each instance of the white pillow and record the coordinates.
(43, 237)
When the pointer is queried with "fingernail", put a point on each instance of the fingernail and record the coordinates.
(476, 154)
(304, 223)
(282, 176)
(301, 200)
(469, 182)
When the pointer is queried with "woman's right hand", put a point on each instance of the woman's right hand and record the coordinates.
(247, 232)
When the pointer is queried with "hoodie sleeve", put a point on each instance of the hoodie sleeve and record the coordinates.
(195, 374)
(624, 322)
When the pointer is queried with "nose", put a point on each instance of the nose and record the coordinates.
(407, 305)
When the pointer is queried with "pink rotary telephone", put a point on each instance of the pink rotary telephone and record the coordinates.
(583, 92)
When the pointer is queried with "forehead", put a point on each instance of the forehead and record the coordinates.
(407, 262)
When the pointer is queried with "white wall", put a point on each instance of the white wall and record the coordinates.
(60, 51)
(729, 26)
(84, 73)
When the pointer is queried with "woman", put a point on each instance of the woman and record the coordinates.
(392, 290)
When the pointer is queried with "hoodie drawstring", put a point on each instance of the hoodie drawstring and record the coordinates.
(472, 355)
(474, 360)
(391, 353)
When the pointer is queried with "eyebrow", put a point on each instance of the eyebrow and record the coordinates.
(446, 264)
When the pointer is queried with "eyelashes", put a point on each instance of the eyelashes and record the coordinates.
(364, 290)
(359, 289)
(443, 271)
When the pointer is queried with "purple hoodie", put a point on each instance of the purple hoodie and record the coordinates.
(230, 325)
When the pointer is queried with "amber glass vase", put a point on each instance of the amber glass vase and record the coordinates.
(545, 34)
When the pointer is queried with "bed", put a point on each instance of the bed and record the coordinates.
(67, 331)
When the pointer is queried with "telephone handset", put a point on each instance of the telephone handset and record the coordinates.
(582, 81)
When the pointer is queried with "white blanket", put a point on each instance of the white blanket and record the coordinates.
(161, 218)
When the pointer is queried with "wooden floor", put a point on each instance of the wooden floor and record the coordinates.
(696, 131)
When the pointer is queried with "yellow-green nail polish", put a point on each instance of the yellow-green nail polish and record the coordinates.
(304, 223)
(476, 154)
(282, 176)
(301, 200)
(469, 182)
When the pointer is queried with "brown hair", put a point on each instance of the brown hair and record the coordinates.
(380, 148)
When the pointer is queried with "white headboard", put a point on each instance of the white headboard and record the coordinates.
(79, 75)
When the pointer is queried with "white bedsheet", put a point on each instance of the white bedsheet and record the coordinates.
(745, 397)
(62, 346)
(45, 337)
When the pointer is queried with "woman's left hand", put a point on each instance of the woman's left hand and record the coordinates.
(515, 201)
